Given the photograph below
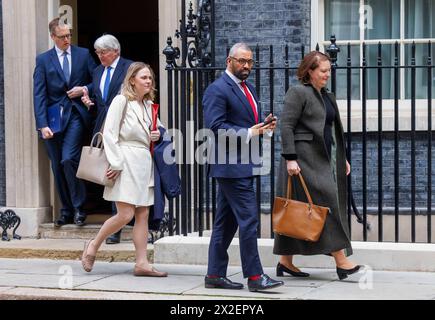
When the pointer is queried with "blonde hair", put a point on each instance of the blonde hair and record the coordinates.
(127, 87)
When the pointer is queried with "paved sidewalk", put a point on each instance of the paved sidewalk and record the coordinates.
(54, 279)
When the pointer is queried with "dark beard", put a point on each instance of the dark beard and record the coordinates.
(242, 76)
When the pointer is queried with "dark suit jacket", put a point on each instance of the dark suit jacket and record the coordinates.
(50, 85)
(114, 89)
(227, 108)
(166, 180)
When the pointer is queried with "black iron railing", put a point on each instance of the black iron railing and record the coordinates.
(398, 183)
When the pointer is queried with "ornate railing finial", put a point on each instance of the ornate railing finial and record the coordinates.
(171, 54)
(333, 51)
(9, 220)
(196, 37)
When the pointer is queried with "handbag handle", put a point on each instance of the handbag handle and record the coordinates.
(100, 143)
(289, 188)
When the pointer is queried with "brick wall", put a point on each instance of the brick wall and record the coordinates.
(264, 23)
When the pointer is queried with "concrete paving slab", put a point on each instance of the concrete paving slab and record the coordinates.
(52, 294)
(343, 290)
(415, 278)
(42, 281)
(192, 270)
(130, 283)
(55, 267)
(283, 292)
(317, 278)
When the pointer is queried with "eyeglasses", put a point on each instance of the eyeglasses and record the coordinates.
(101, 52)
(67, 36)
(242, 61)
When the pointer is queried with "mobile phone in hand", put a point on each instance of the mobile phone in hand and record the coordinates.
(268, 121)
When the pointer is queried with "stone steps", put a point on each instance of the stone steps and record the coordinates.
(67, 249)
(71, 231)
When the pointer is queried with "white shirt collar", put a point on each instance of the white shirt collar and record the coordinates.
(233, 77)
(60, 52)
(115, 63)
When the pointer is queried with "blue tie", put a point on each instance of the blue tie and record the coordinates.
(65, 66)
(106, 85)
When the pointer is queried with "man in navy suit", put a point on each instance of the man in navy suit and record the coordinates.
(231, 111)
(107, 80)
(59, 79)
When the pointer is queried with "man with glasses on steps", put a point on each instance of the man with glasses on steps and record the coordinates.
(61, 74)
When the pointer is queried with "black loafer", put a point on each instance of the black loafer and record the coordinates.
(79, 218)
(114, 238)
(221, 283)
(63, 220)
(280, 269)
(264, 283)
(344, 273)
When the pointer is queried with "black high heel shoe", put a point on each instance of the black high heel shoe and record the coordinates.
(344, 273)
(280, 269)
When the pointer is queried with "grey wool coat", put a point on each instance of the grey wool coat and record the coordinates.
(302, 135)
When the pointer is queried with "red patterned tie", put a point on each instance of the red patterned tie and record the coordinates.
(250, 99)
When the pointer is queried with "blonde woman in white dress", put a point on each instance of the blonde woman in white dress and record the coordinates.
(127, 147)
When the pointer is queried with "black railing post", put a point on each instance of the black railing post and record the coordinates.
(349, 135)
(396, 142)
(196, 179)
(333, 51)
(179, 144)
(380, 169)
(429, 143)
(364, 140)
(171, 54)
(286, 69)
(413, 137)
(258, 179)
(272, 141)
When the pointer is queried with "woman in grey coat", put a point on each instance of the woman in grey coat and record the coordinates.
(313, 144)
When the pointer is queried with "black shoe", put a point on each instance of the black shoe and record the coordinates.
(221, 283)
(114, 238)
(63, 220)
(264, 283)
(280, 269)
(79, 218)
(343, 273)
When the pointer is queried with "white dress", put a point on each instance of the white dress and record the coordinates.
(128, 150)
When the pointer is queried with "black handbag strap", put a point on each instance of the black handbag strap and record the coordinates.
(289, 188)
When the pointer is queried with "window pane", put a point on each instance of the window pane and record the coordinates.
(421, 80)
(382, 19)
(419, 19)
(387, 57)
(342, 83)
(342, 19)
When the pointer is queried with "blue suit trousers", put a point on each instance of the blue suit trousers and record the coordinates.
(64, 151)
(236, 208)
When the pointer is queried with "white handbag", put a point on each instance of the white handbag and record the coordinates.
(93, 163)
